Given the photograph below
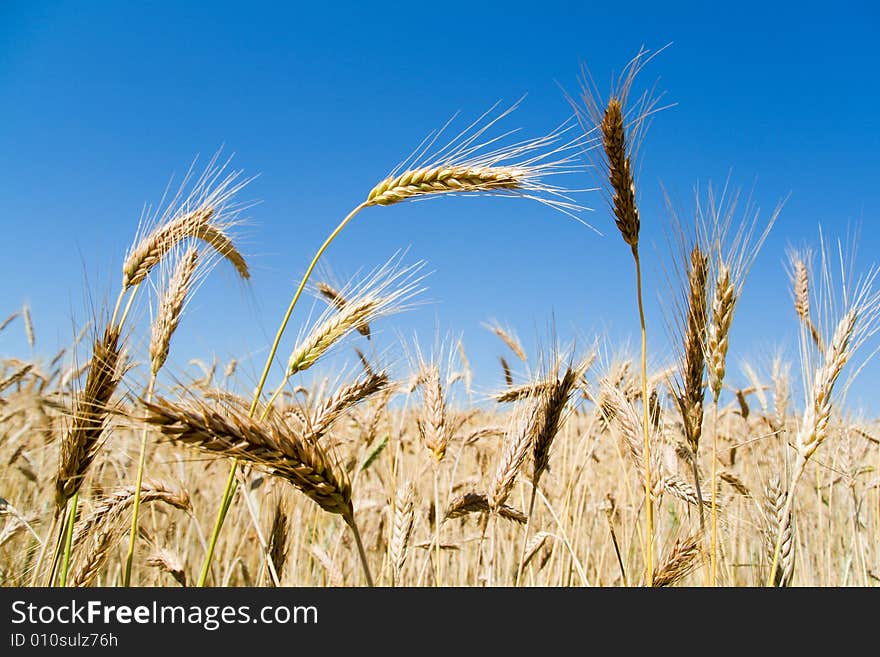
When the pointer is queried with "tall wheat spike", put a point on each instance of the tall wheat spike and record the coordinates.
(779, 523)
(622, 123)
(81, 444)
(278, 544)
(402, 529)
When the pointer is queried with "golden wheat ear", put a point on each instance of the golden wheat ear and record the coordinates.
(91, 410)
(474, 162)
(203, 209)
(387, 290)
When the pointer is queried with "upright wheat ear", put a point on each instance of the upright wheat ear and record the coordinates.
(800, 280)
(433, 424)
(694, 364)
(779, 523)
(620, 173)
(91, 409)
(621, 137)
(402, 530)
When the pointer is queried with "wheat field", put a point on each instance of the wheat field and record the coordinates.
(583, 470)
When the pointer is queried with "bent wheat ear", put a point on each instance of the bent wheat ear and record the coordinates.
(205, 213)
(168, 562)
(508, 338)
(476, 503)
(278, 546)
(111, 508)
(268, 444)
(552, 414)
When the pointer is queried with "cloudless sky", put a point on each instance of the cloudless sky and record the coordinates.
(100, 103)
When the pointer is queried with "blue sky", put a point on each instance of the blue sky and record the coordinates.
(100, 103)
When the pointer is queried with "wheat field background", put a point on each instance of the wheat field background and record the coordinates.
(585, 469)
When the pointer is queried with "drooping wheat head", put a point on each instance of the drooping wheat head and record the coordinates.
(111, 508)
(681, 560)
(508, 337)
(269, 444)
(518, 440)
(335, 297)
(203, 209)
(468, 503)
(554, 405)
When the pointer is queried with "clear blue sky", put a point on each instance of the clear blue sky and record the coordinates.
(101, 102)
